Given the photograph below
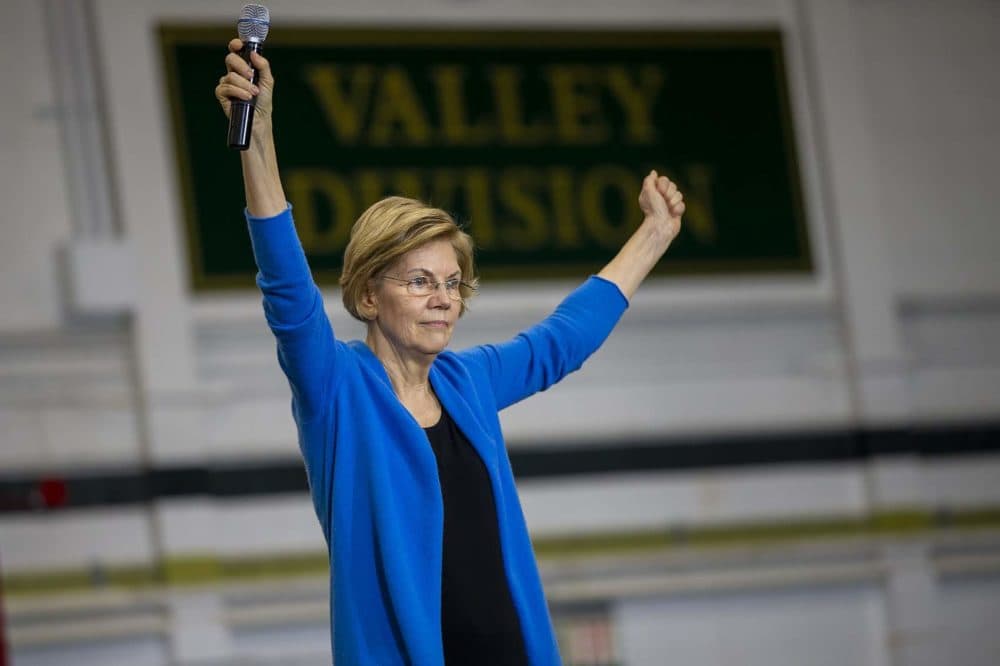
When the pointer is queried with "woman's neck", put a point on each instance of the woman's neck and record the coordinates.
(409, 373)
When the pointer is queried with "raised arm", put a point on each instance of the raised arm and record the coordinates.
(663, 206)
(541, 355)
(292, 302)
(265, 196)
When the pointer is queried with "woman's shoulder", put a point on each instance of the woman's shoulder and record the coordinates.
(467, 365)
(455, 361)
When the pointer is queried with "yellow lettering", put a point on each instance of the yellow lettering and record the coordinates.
(699, 217)
(371, 186)
(510, 110)
(444, 182)
(343, 112)
(477, 187)
(448, 81)
(407, 183)
(305, 186)
(561, 186)
(596, 183)
(576, 101)
(398, 115)
(529, 230)
(637, 100)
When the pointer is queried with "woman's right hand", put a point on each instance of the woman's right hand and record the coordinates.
(236, 83)
(261, 179)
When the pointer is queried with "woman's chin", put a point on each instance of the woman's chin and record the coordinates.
(438, 348)
(434, 344)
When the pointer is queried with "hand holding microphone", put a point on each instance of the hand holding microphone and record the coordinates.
(244, 92)
(246, 89)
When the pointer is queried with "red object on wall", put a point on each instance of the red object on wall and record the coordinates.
(53, 492)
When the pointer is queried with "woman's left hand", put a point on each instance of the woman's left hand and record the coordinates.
(663, 205)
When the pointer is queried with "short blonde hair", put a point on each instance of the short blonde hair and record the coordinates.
(389, 229)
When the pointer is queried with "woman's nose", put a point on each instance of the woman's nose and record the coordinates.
(439, 297)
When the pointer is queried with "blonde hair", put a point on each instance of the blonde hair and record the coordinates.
(389, 229)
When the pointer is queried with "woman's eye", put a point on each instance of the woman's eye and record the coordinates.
(452, 284)
(419, 282)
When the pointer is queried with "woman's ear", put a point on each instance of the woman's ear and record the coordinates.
(368, 306)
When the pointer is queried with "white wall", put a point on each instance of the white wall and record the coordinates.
(782, 370)
(934, 99)
(894, 104)
(813, 627)
(691, 356)
(967, 614)
(698, 619)
(35, 221)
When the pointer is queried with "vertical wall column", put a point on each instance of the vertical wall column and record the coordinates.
(173, 410)
(859, 243)
(199, 633)
(860, 247)
(99, 265)
(127, 258)
(150, 220)
(870, 320)
(78, 90)
(911, 597)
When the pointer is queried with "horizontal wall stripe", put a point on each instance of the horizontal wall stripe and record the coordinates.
(208, 569)
(57, 490)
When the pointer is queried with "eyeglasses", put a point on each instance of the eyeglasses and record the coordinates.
(424, 286)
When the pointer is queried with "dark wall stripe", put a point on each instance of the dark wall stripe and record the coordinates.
(35, 492)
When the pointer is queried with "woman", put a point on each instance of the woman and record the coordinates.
(431, 560)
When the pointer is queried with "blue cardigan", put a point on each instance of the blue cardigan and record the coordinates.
(372, 473)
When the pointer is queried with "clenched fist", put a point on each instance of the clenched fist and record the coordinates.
(236, 83)
(662, 203)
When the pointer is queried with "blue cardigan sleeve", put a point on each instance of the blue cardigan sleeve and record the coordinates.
(293, 307)
(540, 356)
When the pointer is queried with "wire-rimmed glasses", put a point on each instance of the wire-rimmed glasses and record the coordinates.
(424, 286)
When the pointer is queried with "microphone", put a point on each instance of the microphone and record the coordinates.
(252, 29)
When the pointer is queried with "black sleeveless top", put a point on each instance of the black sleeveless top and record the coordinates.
(479, 623)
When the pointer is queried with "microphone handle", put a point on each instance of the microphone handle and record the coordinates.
(241, 111)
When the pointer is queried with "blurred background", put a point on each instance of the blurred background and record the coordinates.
(787, 453)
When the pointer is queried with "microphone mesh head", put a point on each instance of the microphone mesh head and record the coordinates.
(253, 23)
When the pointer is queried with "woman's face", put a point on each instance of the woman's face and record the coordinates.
(418, 324)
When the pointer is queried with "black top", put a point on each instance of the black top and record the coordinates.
(478, 620)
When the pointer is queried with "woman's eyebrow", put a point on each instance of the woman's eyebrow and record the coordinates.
(428, 273)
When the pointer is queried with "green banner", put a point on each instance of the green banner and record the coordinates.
(535, 141)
